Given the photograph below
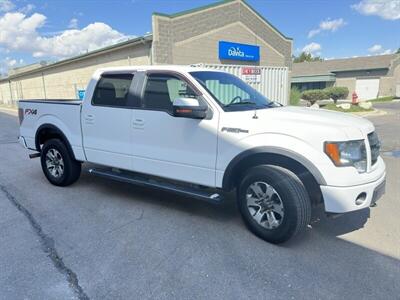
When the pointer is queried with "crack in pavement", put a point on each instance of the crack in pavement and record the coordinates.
(127, 223)
(48, 246)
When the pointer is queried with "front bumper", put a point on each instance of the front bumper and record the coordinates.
(344, 199)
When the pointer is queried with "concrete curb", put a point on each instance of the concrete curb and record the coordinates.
(374, 113)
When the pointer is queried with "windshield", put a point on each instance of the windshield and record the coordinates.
(231, 93)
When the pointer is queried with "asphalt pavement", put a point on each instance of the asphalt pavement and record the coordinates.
(100, 239)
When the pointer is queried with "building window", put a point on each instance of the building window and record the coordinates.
(303, 86)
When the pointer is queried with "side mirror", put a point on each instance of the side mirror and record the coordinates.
(189, 108)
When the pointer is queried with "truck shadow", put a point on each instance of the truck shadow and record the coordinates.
(227, 211)
(161, 199)
(327, 227)
(340, 224)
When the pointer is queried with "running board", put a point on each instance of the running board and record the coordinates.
(136, 179)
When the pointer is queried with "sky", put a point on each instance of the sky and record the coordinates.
(33, 30)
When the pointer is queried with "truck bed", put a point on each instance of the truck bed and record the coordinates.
(63, 114)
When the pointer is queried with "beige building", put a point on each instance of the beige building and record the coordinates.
(370, 77)
(188, 37)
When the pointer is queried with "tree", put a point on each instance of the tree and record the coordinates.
(398, 51)
(304, 56)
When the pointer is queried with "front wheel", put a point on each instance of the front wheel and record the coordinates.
(58, 165)
(274, 203)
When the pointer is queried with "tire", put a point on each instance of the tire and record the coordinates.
(276, 214)
(66, 170)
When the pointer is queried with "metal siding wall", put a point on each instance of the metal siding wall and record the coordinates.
(273, 84)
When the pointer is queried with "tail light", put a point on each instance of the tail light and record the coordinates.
(20, 115)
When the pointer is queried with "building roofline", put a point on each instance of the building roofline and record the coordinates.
(343, 65)
(313, 75)
(130, 42)
(266, 21)
(393, 56)
(333, 72)
(362, 69)
(193, 10)
(43, 62)
(216, 4)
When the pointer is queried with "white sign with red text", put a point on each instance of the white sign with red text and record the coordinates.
(251, 74)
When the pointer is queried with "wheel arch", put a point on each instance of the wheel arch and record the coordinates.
(298, 164)
(46, 132)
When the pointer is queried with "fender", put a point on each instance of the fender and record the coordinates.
(229, 172)
(58, 132)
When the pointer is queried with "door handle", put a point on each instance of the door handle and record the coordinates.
(138, 123)
(89, 119)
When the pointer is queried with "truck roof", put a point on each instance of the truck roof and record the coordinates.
(179, 68)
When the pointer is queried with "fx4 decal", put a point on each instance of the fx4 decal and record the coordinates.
(29, 111)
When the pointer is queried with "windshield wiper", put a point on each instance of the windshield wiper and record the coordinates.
(242, 102)
(273, 104)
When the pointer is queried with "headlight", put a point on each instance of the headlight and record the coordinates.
(350, 153)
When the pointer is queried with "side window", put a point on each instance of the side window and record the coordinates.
(162, 89)
(112, 90)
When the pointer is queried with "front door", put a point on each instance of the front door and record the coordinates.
(167, 146)
(106, 122)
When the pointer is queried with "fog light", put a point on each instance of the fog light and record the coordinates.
(361, 198)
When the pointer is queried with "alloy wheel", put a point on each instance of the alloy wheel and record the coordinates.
(54, 163)
(265, 205)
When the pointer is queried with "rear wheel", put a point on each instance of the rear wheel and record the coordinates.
(274, 203)
(58, 165)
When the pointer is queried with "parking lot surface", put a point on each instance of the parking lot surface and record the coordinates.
(100, 239)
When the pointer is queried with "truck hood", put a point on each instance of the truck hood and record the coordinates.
(305, 123)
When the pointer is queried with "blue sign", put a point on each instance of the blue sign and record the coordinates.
(236, 51)
(81, 94)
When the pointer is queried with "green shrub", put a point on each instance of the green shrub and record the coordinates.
(314, 95)
(337, 92)
(295, 95)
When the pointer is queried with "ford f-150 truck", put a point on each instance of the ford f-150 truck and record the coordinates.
(204, 133)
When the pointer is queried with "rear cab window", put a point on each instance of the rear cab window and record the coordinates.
(113, 90)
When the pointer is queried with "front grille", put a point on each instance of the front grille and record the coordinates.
(375, 146)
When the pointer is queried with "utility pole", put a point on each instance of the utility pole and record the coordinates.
(11, 95)
(44, 86)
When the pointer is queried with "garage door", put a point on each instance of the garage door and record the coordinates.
(367, 88)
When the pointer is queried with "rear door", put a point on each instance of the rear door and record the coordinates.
(163, 145)
(106, 121)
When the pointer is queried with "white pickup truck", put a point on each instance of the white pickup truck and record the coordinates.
(203, 133)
